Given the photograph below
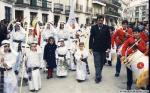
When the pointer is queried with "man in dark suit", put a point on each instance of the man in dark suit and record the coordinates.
(99, 43)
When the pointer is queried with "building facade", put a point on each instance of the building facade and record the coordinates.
(138, 10)
(58, 10)
(83, 10)
(98, 9)
(26, 10)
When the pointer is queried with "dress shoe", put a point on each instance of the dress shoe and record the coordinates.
(117, 75)
(128, 87)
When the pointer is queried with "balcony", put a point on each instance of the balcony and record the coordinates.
(67, 9)
(58, 8)
(22, 3)
(111, 13)
(88, 10)
(46, 5)
(9, 1)
(116, 3)
(79, 8)
(100, 2)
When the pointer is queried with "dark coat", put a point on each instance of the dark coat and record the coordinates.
(3, 33)
(100, 39)
(49, 55)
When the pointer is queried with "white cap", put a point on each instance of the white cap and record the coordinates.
(34, 42)
(5, 42)
(18, 23)
(61, 39)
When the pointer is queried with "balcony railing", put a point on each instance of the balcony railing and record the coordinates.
(33, 3)
(22, 3)
(67, 9)
(116, 3)
(46, 5)
(58, 8)
(79, 8)
(112, 13)
(100, 1)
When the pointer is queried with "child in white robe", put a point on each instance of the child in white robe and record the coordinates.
(82, 69)
(33, 68)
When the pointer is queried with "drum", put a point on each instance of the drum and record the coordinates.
(138, 63)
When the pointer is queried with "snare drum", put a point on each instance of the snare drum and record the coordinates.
(138, 63)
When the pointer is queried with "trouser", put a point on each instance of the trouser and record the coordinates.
(50, 72)
(118, 64)
(1, 81)
(99, 60)
(35, 81)
(129, 77)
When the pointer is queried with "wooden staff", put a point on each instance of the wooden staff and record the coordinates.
(26, 42)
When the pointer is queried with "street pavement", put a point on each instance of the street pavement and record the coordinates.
(109, 83)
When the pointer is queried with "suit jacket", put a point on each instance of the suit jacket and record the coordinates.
(100, 39)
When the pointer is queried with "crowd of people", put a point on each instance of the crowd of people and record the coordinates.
(24, 53)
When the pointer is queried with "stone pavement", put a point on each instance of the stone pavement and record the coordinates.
(109, 84)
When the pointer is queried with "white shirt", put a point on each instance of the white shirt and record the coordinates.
(79, 53)
(33, 59)
(10, 59)
(62, 51)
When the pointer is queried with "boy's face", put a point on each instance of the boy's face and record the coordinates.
(81, 46)
(6, 48)
(136, 35)
(125, 25)
(62, 43)
(17, 27)
(33, 47)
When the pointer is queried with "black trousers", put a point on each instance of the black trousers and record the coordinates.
(118, 64)
(129, 77)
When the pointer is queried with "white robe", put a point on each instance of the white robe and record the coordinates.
(10, 79)
(18, 35)
(81, 72)
(34, 60)
(62, 69)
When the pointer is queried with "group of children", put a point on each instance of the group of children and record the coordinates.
(55, 52)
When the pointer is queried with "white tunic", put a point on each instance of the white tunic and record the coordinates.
(10, 79)
(61, 61)
(81, 72)
(34, 60)
(18, 35)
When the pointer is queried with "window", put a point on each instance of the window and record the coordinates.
(137, 14)
(137, 9)
(144, 8)
(7, 13)
(32, 16)
(44, 18)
